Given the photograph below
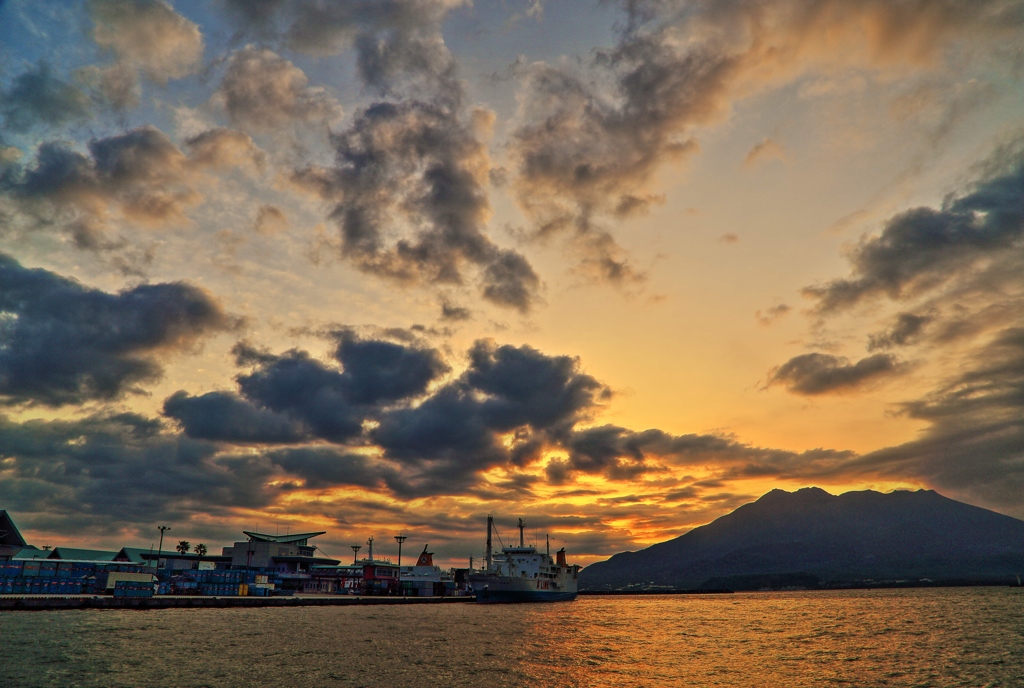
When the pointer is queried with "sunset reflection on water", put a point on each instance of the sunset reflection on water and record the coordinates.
(862, 638)
(935, 637)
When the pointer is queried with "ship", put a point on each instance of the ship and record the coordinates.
(522, 574)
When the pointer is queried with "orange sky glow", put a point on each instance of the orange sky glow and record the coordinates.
(615, 270)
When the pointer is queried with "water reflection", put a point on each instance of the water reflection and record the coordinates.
(863, 638)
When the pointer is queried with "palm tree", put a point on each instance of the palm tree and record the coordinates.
(200, 549)
(183, 547)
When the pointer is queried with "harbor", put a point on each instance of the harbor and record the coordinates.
(266, 570)
(68, 602)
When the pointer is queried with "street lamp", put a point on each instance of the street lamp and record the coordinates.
(400, 539)
(355, 553)
(160, 549)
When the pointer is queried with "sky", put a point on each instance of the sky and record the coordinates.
(614, 267)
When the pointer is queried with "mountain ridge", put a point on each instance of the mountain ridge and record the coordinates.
(853, 537)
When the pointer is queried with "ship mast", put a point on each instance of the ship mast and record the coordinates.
(490, 523)
(521, 526)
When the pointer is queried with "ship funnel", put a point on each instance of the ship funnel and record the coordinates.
(426, 558)
(560, 557)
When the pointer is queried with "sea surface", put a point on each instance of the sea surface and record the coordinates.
(920, 637)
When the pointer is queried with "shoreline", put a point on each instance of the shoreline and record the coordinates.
(71, 602)
(59, 602)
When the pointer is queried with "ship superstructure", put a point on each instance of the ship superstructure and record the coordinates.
(522, 574)
(425, 578)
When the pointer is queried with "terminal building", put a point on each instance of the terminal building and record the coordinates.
(261, 564)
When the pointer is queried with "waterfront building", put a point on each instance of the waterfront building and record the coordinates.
(290, 557)
(77, 554)
(169, 563)
(12, 544)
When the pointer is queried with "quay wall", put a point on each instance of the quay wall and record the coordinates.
(56, 602)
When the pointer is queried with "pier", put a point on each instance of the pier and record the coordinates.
(56, 602)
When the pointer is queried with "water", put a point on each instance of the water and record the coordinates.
(936, 637)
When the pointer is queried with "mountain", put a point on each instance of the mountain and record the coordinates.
(810, 537)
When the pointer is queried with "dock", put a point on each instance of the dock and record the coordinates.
(57, 602)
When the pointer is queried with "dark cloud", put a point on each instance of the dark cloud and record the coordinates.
(409, 186)
(622, 454)
(905, 330)
(139, 177)
(38, 97)
(63, 343)
(416, 170)
(334, 403)
(457, 432)
(509, 280)
(973, 446)
(818, 373)
(455, 313)
(120, 471)
(924, 249)
(326, 467)
(526, 387)
(222, 416)
(263, 91)
(591, 139)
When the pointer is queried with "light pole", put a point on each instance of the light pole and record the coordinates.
(400, 539)
(355, 553)
(160, 549)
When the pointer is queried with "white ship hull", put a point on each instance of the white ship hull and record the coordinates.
(496, 588)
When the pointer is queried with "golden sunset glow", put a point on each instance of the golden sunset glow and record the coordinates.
(619, 271)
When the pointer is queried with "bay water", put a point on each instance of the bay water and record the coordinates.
(913, 637)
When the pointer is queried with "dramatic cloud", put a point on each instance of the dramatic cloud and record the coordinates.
(326, 467)
(62, 343)
(817, 373)
(222, 416)
(148, 36)
(331, 403)
(506, 391)
(263, 91)
(417, 170)
(974, 445)
(409, 186)
(622, 454)
(923, 249)
(396, 41)
(139, 177)
(590, 141)
(380, 398)
(37, 97)
(109, 472)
